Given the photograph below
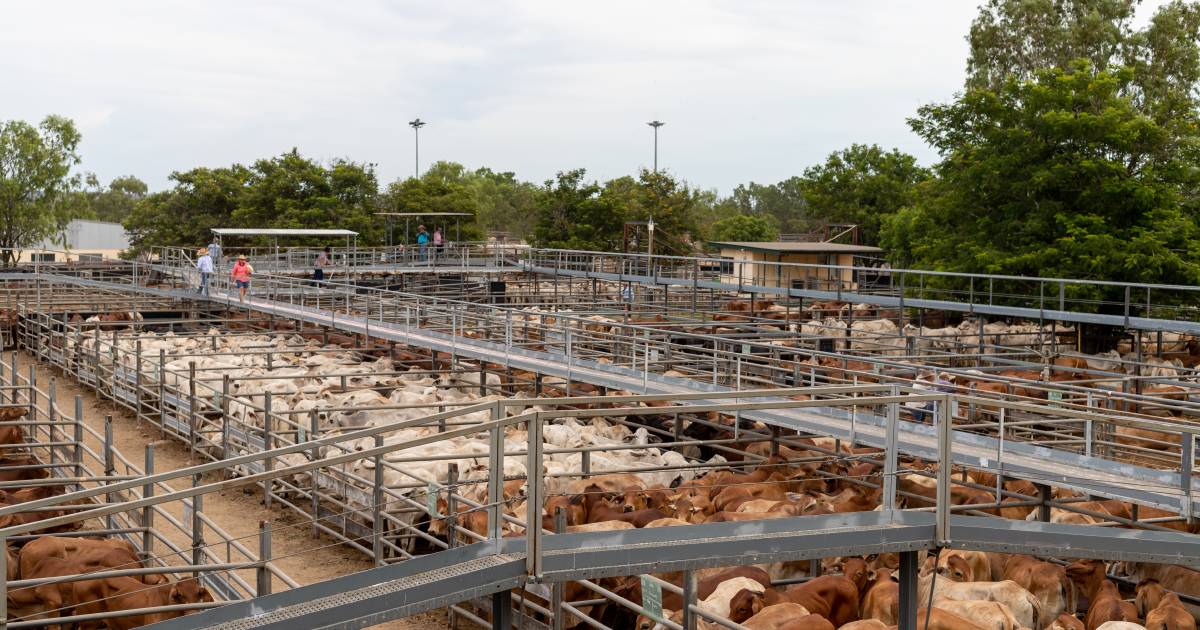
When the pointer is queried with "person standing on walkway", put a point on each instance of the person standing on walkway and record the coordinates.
(214, 250)
(204, 264)
(322, 263)
(438, 242)
(241, 276)
(422, 241)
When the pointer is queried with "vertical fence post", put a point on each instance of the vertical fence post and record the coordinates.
(110, 468)
(148, 511)
(945, 464)
(162, 393)
(262, 574)
(557, 588)
(4, 584)
(377, 507)
(908, 591)
(690, 594)
(77, 456)
(192, 415)
(451, 505)
(52, 415)
(1188, 459)
(891, 452)
(197, 527)
(533, 528)
(495, 485)
(268, 444)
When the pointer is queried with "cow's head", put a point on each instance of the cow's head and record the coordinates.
(955, 568)
(744, 605)
(189, 591)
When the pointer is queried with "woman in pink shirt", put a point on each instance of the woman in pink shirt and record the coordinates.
(241, 276)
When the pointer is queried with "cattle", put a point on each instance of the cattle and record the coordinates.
(964, 566)
(993, 615)
(1161, 608)
(833, 597)
(809, 622)
(938, 619)
(774, 616)
(1024, 606)
(1065, 621)
(1120, 625)
(1048, 582)
(117, 594)
(865, 624)
(1104, 601)
(881, 600)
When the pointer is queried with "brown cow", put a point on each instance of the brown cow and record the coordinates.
(1104, 600)
(833, 597)
(1162, 608)
(1048, 582)
(775, 616)
(882, 598)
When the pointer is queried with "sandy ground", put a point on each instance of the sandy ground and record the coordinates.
(297, 550)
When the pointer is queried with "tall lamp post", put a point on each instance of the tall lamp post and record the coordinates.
(656, 124)
(416, 125)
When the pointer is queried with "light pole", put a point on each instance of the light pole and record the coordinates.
(416, 125)
(656, 124)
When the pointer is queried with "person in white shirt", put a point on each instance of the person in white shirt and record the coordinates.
(204, 265)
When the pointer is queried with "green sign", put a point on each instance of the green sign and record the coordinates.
(652, 598)
(1055, 395)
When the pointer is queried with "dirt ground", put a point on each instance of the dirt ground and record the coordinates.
(296, 549)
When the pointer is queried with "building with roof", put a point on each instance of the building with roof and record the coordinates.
(810, 265)
(83, 240)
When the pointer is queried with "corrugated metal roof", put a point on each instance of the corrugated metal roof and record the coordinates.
(782, 247)
(280, 232)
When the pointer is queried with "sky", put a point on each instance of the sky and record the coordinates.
(750, 90)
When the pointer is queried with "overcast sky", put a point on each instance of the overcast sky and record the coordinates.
(751, 90)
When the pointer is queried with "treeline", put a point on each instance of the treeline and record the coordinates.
(1072, 150)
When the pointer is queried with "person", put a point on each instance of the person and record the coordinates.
(241, 276)
(438, 243)
(322, 263)
(204, 264)
(422, 240)
(214, 250)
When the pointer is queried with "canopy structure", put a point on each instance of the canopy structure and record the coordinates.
(275, 233)
(280, 232)
(408, 216)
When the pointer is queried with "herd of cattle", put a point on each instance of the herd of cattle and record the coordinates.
(311, 375)
(72, 553)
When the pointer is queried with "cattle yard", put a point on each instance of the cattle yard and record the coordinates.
(401, 419)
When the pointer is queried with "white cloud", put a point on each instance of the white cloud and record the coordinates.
(750, 89)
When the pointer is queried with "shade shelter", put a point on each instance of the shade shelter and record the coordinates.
(390, 218)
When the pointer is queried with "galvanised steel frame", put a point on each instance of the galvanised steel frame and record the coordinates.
(543, 557)
(81, 458)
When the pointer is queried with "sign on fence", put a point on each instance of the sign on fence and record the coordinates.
(652, 598)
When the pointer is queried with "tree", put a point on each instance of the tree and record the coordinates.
(861, 185)
(117, 201)
(443, 188)
(1021, 38)
(35, 179)
(1062, 176)
(658, 195)
(201, 199)
(572, 214)
(291, 191)
(505, 204)
(744, 228)
(784, 202)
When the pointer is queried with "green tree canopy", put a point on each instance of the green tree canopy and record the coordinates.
(200, 200)
(572, 214)
(443, 188)
(112, 203)
(1060, 176)
(744, 227)
(861, 185)
(1021, 38)
(35, 182)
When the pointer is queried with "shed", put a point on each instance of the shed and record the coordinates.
(757, 264)
(83, 240)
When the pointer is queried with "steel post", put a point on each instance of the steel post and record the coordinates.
(945, 464)
(908, 591)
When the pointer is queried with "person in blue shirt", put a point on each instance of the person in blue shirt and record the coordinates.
(422, 241)
(204, 265)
